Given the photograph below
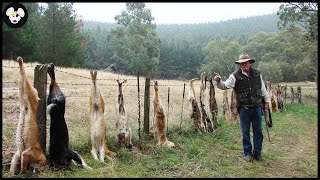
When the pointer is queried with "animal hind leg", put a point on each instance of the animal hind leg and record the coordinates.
(102, 154)
(94, 153)
(32, 155)
(110, 154)
(78, 159)
(14, 162)
(39, 158)
(25, 159)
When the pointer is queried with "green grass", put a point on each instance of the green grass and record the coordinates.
(292, 152)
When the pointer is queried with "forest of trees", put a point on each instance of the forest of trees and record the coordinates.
(50, 35)
(284, 45)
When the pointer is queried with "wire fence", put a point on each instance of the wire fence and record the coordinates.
(76, 86)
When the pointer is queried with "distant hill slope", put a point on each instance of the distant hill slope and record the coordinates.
(238, 29)
(181, 44)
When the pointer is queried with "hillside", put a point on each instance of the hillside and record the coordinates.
(237, 29)
(240, 29)
(181, 44)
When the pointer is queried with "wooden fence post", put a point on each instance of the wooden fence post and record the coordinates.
(146, 106)
(285, 96)
(299, 93)
(292, 95)
(40, 83)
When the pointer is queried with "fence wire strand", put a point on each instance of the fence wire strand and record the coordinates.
(77, 103)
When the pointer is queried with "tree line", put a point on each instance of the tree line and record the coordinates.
(51, 34)
(284, 45)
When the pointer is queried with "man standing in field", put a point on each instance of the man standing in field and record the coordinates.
(250, 90)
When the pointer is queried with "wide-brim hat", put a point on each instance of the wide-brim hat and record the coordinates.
(244, 57)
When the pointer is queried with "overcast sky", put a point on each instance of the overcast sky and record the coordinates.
(178, 13)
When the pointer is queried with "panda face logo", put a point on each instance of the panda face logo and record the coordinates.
(15, 15)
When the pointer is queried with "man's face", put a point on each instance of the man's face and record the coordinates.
(245, 66)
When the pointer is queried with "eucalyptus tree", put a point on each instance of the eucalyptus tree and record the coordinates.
(271, 71)
(135, 46)
(220, 57)
(287, 47)
(305, 15)
(260, 44)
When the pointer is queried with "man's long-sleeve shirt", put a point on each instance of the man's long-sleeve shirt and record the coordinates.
(231, 81)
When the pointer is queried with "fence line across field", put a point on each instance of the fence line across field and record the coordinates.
(41, 81)
(100, 79)
(132, 79)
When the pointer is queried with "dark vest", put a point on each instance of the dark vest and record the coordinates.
(248, 89)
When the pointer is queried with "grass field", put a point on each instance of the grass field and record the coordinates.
(292, 151)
